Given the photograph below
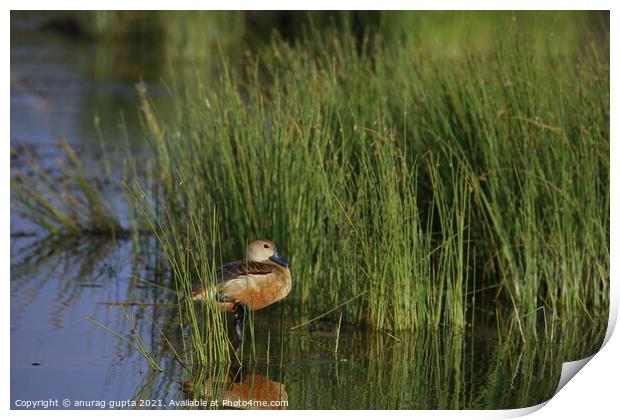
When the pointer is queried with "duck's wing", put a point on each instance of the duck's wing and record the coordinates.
(252, 284)
(232, 279)
(237, 269)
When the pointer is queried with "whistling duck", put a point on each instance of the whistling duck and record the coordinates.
(262, 279)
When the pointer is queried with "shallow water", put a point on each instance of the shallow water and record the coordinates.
(57, 86)
(57, 353)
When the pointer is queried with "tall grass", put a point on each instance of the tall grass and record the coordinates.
(190, 246)
(72, 202)
(382, 169)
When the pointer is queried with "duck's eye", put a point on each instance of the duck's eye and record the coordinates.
(266, 246)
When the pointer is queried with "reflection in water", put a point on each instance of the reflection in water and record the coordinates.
(79, 265)
(237, 387)
(430, 370)
(246, 389)
(484, 368)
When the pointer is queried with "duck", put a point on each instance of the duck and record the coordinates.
(262, 279)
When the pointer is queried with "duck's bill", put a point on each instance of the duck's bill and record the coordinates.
(278, 259)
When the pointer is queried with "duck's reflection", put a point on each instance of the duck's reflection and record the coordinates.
(239, 388)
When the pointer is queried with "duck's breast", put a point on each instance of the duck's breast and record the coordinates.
(257, 291)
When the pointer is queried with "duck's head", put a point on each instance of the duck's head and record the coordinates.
(264, 250)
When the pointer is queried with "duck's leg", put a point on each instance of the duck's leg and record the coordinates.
(237, 373)
(239, 316)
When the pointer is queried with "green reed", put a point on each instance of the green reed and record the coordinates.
(75, 205)
(190, 246)
(382, 171)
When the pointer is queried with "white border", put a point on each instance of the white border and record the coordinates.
(593, 393)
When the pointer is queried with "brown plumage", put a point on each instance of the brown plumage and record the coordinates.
(256, 283)
(241, 390)
(257, 388)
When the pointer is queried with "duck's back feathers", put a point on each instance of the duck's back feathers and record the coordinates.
(243, 268)
(251, 283)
